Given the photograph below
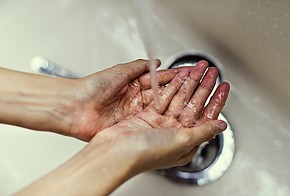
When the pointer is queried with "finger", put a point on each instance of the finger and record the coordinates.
(148, 95)
(182, 97)
(163, 76)
(217, 102)
(168, 92)
(185, 159)
(205, 131)
(131, 70)
(194, 108)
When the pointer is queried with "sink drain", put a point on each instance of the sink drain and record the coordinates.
(213, 158)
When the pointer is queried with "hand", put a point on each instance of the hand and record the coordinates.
(107, 97)
(156, 137)
(181, 119)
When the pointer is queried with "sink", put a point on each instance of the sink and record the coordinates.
(250, 39)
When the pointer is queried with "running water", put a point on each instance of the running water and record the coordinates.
(145, 27)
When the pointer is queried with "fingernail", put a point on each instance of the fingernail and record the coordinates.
(157, 61)
(222, 124)
(203, 63)
(224, 86)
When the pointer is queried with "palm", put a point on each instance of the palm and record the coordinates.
(179, 106)
(113, 95)
(130, 99)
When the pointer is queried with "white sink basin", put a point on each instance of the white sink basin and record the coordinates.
(87, 36)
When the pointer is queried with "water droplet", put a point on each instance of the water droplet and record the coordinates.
(190, 105)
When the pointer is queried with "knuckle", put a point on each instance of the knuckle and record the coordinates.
(213, 129)
(171, 113)
(210, 131)
(140, 61)
(121, 72)
(185, 139)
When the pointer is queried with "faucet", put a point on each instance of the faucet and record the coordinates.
(45, 66)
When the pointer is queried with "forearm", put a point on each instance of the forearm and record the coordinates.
(96, 170)
(35, 101)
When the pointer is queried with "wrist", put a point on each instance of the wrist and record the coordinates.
(126, 147)
(118, 153)
(62, 106)
(101, 162)
(35, 101)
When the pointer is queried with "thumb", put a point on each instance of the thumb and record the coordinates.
(206, 131)
(134, 69)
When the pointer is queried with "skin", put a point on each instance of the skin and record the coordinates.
(128, 94)
(154, 138)
(78, 108)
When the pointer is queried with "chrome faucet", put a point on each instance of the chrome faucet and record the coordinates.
(47, 67)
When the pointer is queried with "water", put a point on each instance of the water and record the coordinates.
(145, 27)
(154, 82)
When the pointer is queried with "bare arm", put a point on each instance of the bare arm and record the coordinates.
(98, 169)
(35, 101)
(152, 139)
(110, 159)
(76, 107)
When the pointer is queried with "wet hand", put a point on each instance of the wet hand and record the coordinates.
(169, 134)
(110, 96)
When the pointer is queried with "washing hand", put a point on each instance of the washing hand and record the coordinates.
(107, 97)
(140, 135)
(78, 107)
(169, 134)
